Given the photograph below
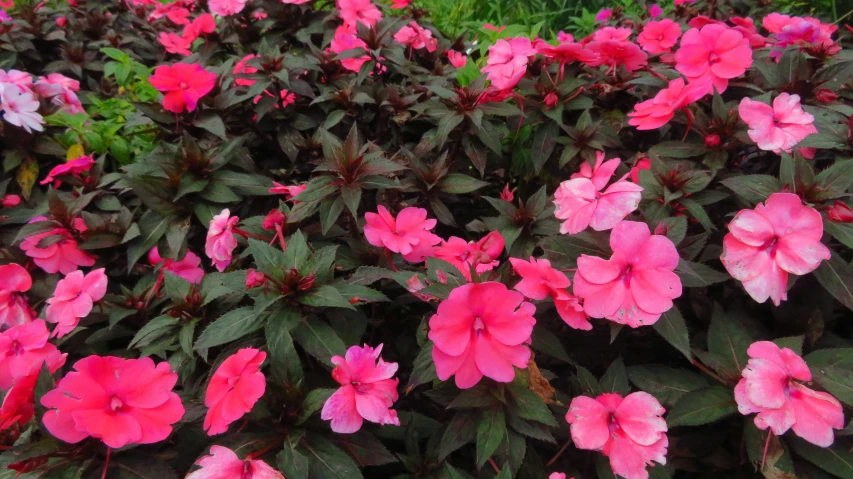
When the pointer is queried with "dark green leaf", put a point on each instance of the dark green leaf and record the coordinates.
(702, 406)
(318, 339)
(672, 327)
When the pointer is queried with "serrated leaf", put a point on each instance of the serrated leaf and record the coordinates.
(836, 459)
(286, 366)
(702, 406)
(833, 369)
(753, 189)
(312, 403)
(728, 339)
(491, 430)
(615, 379)
(666, 384)
(836, 276)
(318, 339)
(231, 326)
(672, 327)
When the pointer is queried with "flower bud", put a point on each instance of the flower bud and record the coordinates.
(306, 282)
(255, 279)
(274, 218)
(841, 213)
(551, 100)
(712, 140)
(825, 95)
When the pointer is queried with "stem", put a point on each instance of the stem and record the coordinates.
(494, 466)
(246, 234)
(153, 291)
(106, 463)
(390, 261)
(559, 453)
(710, 373)
(766, 446)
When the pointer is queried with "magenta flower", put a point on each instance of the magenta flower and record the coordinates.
(482, 254)
(507, 61)
(74, 167)
(345, 39)
(581, 202)
(481, 330)
(637, 284)
(358, 11)
(603, 15)
(612, 47)
(188, 268)
(764, 245)
(220, 243)
(655, 11)
(659, 37)
(23, 350)
(367, 390)
(540, 280)
(629, 431)
(289, 192)
(656, 112)
(566, 51)
(457, 59)
(777, 128)
(223, 463)
(74, 297)
(234, 389)
(407, 234)
(15, 309)
(62, 256)
(716, 52)
(183, 85)
(10, 201)
(769, 387)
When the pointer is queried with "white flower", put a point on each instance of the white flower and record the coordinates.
(20, 109)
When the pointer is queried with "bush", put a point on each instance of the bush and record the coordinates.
(325, 241)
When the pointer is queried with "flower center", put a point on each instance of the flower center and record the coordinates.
(232, 381)
(478, 324)
(116, 404)
(16, 348)
(247, 470)
(183, 85)
(713, 58)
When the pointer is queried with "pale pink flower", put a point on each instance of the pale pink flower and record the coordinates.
(345, 39)
(73, 299)
(482, 254)
(221, 241)
(188, 268)
(62, 256)
(777, 128)
(637, 284)
(656, 112)
(714, 52)
(583, 201)
(629, 431)
(22, 81)
(481, 330)
(770, 388)
(358, 11)
(764, 245)
(23, 349)
(407, 234)
(224, 8)
(74, 167)
(367, 390)
(659, 37)
(416, 37)
(20, 109)
(457, 59)
(540, 280)
(235, 387)
(55, 83)
(14, 307)
(68, 102)
(507, 61)
(223, 463)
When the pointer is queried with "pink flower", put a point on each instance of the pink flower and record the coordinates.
(806, 33)
(221, 241)
(507, 194)
(295, 2)
(62, 256)
(183, 85)
(10, 201)
(715, 52)
(358, 11)
(457, 59)
(345, 39)
(407, 234)
(655, 11)
(582, 203)
(566, 51)
(260, 14)
(120, 401)
(615, 52)
(255, 279)
(764, 245)
(481, 255)
(223, 463)
(769, 387)
(604, 15)
(493, 28)
(367, 390)
(188, 268)
(637, 284)
(74, 297)
(242, 68)
(659, 37)
(73, 167)
(400, 3)
(273, 220)
(234, 389)
(480, 330)
(507, 61)
(630, 431)
(540, 280)
(20, 108)
(777, 128)
(679, 3)
(289, 192)
(23, 350)
(55, 84)
(643, 164)
(14, 307)
(224, 8)
(204, 23)
(22, 81)
(174, 43)
(416, 37)
(746, 26)
(654, 113)
(838, 212)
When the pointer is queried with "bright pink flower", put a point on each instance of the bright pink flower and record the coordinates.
(234, 389)
(274, 219)
(400, 3)
(260, 14)
(223, 463)
(655, 11)
(457, 59)
(23, 349)
(120, 401)
(242, 67)
(582, 203)
(358, 11)
(62, 256)
(20, 109)
(417, 37)
(604, 15)
(746, 26)
(637, 284)
(656, 112)
(10, 201)
(540, 280)
(777, 128)
(493, 28)
(221, 241)
(715, 52)
(507, 194)
(204, 23)
(659, 37)
(764, 245)
(74, 297)
(839, 213)
(566, 51)
(630, 431)
(74, 167)
(367, 390)
(188, 268)
(679, 3)
(482, 255)
(615, 52)
(289, 192)
(480, 330)
(769, 387)
(507, 61)
(295, 2)
(183, 85)
(174, 11)
(558, 475)
(14, 307)
(643, 164)
(255, 279)
(806, 33)
(408, 234)
(345, 39)
(224, 8)
(174, 43)
(55, 83)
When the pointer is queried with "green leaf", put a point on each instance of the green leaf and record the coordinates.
(176, 287)
(777, 460)
(423, 369)
(152, 227)
(231, 326)
(312, 403)
(297, 253)
(697, 275)
(456, 183)
(837, 178)
(702, 406)
(672, 327)
(833, 369)
(324, 295)
(564, 250)
(728, 339)
(292, 463)
(326, 461)
(528, 405)
(546, 342)
(318, 339)
(678, 149)
(543, 144)
(268, 259)
(836, 276)
(286, 366)
(794, 343)
(460, 431)
(615, 379)
(588, 383)
(491, 430)
(836, 459)
(211, 122)
(843, 232)
(368, 450)
(753, 189)
(666, 384)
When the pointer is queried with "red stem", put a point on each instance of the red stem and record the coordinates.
(106, 463)
(766, 446)
(390, 261)
(246, 234)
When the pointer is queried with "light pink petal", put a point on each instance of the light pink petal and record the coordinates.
(799, 254)
(751, 228)
(817, 414)
(639, 415)
(589, 423)
(629, 236)
(340, 408)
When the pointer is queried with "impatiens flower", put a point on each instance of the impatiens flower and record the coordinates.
(14, 307)
(407, 234)
(764, 245)
(345, 39)
(656, 112)
(221, 241)
(295, 2)
(482, 254)
(61, 256)
(457, 59)
(22, 81)
(480, 330)
(747, 27)
(659, 37)
(637, 284)
(616, 52)
(581, 202)
(358, 11)
(507, 61)
(507, 194)
(183, 85)
(204, 24)
(803, 32)
(241, 67)
(74, 297)
(119, 401)
(289, 192)
(777, 128)
(174, 43)
(416, 37)
(840, 213)
(223, 463)
(655, 11)
(255, 279)
(234, 389)
(10, 201)
(643, 164)
(540, 280)
(629, 431)
(55, 83)
(367, 391)
(770, 388)
(715, 52)
(74, 167)
(23, 349)
(224, 8)
(20, 109)
(603, 15)
(188, 268)
(566, 51)
(400, 3)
